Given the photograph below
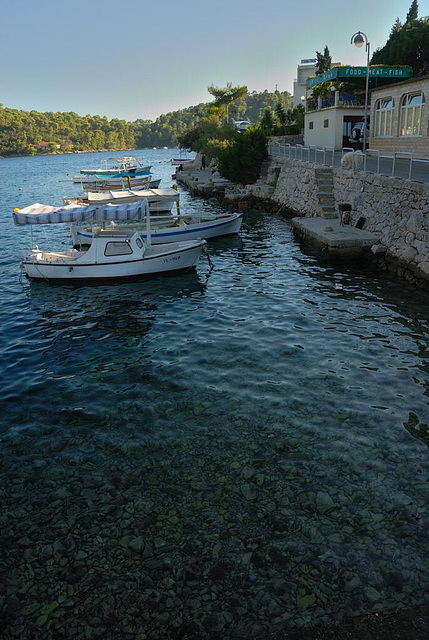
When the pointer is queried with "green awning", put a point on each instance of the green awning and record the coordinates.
(395, 73)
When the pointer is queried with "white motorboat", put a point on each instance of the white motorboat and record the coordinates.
(169, 228)
(119, 181)
(160, 200)
(100, 186)
(114, 253)
(127, 163)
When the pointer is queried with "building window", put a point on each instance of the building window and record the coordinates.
(411, 114)
(383, 117)
(311, 125)
(325, 124)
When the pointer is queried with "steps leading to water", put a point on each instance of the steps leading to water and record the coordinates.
(325, 193)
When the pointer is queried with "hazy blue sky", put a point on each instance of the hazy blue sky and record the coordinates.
(140, 58)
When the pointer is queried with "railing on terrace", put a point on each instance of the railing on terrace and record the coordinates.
(345, 101)
(302, 152)
(401, 164)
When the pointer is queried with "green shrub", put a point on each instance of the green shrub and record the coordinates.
(241, 160)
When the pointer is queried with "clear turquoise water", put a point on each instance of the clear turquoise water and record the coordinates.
(215, 454)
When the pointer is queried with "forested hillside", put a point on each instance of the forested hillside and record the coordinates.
(408, 43)
(21, 132)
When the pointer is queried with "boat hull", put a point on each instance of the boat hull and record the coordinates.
(181, 257)
(114, 171)
(206, 230)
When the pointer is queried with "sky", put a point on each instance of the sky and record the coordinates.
(142, 58)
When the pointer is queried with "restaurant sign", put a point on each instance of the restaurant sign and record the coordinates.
(360, 72)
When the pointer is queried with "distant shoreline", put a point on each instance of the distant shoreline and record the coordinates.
(68, 153)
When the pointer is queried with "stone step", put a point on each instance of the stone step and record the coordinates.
(325, 180)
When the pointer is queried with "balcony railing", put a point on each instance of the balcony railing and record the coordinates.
(344, 101)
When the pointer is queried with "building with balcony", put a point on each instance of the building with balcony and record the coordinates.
(307, 69)
(330, 118)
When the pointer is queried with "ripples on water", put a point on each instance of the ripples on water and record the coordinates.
(215, 454)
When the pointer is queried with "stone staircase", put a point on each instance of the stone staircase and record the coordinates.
(325, 192)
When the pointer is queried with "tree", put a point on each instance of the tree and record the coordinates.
(410, 46)
(299, 115)
(225, 96)
(413, 12)
(267, 121)
(240, 161)
(396, 28)
(281, 114)
(324, 61)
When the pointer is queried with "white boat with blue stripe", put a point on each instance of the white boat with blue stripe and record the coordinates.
(169, 228)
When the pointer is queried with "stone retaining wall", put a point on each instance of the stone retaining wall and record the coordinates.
(396, 210)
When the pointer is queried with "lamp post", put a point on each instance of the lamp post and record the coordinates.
(359, 39)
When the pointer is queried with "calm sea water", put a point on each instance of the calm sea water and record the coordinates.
(217, 454)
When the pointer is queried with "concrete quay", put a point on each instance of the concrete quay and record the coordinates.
(332, 238)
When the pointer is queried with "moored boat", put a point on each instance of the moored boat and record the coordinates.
(127, 163)
(170, 228)
(160, 200)
(113, 179)
(114, 253)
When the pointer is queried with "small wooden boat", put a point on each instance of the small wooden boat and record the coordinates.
(114, 253)
(170, 228)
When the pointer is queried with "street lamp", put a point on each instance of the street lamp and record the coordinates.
(359, 39)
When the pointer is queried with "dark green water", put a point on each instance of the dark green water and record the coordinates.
(210, 455)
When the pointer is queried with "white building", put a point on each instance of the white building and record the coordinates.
(305, 70)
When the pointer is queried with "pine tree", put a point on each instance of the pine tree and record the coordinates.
(324, 61)
(267, 121)
(281, 114)
(413, 13)
(396, 27)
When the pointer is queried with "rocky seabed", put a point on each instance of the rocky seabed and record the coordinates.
(154, 543)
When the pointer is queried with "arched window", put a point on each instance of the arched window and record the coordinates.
(383, 117)
(411, 114)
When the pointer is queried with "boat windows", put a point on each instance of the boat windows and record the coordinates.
(139, 243)
(117, 249)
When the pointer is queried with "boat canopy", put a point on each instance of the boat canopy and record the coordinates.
(160, 194)
(45, 214)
